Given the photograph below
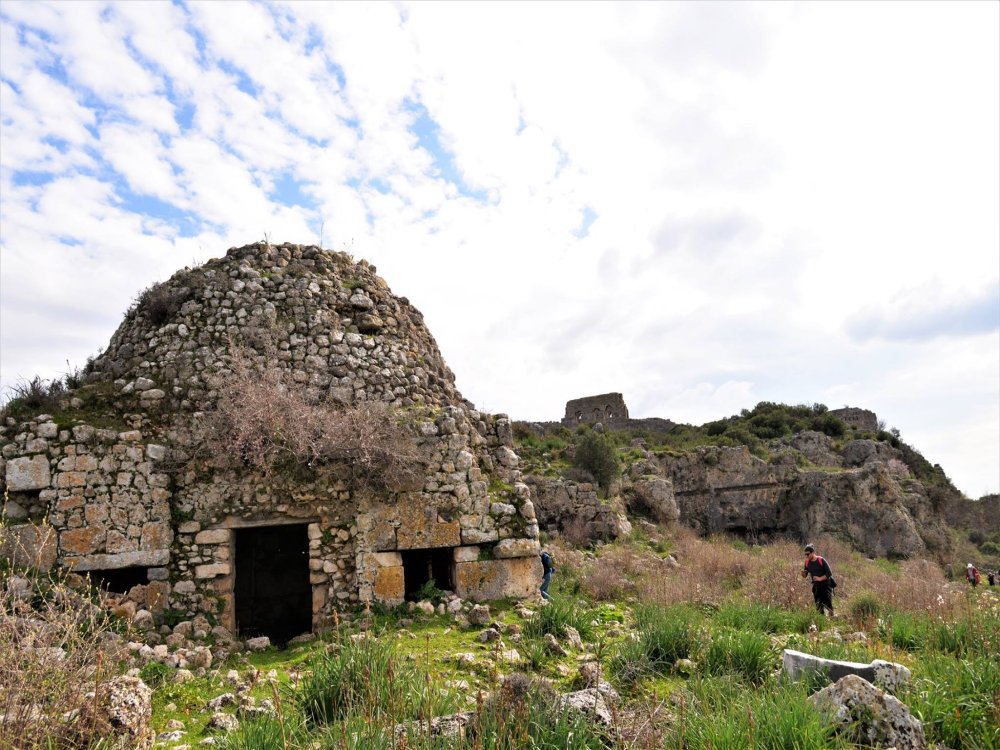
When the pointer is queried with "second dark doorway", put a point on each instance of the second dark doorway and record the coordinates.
(422, 565)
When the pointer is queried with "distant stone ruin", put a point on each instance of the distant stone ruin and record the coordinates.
(124, 474)
(855, 417)
(609, 409)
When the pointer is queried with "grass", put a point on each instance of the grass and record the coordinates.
(367, 679)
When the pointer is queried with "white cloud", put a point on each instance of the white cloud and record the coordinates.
(766, 180)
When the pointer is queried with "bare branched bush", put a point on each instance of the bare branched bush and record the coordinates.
(58, 651)
(272, 424)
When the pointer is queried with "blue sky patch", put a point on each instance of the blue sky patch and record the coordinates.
(589, 217)
(428, 134)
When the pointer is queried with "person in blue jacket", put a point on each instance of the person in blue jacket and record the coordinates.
(547, 570)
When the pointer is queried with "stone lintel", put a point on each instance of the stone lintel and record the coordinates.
(156, 558)
(466, 554)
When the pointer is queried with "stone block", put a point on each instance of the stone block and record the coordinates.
(156, 535)
(517, 548)
(389, 587)
(798, 665)
(479, 536)
(156, 452)
(136, 559)
(48, 430)
(211, 571)
(483, 580)
(71, 479)
(428, 534)
(29, 545)
(25, 474)
(466, 554)
(82, 541)
(189, 527)
(387, 559)
(212, 536)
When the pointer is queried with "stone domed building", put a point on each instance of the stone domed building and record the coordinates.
(269, 438)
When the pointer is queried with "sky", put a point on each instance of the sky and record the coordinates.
(700, 205)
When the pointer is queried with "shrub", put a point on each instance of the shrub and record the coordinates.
(956, 699)
(266, 733)
(864, 607)
(739, 652)
(57, 647)
(270, 422)
(596, 454)
(367, 680)
(729, 717)
(526, 713)
(664, 636)
(560, 612)
(159, 303)
(29, 397)
(155, 673)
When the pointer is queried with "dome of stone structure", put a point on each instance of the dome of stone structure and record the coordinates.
(330, 320)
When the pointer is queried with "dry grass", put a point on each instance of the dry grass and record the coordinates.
(57, 652)
(714, 570)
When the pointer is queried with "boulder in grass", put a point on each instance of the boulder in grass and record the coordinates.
(258, 644)
(886, 674)
(872, 717)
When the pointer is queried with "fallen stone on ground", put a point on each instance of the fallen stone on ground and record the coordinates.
(873, 717)
(889, 675)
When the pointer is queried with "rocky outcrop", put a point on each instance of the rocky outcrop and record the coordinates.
(871, 717)
(574, 508)
(730, 490)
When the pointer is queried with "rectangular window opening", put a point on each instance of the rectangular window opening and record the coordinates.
(423, 565)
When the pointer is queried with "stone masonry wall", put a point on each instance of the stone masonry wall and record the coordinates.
(609, 409)
(152, 497)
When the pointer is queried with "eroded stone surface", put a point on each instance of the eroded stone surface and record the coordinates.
(873, 717)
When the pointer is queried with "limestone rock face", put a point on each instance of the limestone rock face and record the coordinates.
(653, 496)
(729, 490)
(571, 507)
(876, 718)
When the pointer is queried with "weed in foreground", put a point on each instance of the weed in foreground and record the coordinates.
(368, 680)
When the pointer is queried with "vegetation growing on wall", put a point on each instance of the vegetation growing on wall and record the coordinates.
(273, 424)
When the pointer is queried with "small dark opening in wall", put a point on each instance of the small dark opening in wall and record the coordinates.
(119, 580)
(273, 593)
(422, 565)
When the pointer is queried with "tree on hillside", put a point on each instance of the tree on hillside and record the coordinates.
(596, 454)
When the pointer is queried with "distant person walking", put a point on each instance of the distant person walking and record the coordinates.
(823, 584)
(991, 576)
(972, 575)
(548, 568)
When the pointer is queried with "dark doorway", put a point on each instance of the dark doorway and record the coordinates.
(273, 593)
(422, 565)
(118, 580)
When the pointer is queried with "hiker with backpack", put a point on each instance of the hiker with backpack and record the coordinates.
(823, 583)
(972, 575)
(548, 568)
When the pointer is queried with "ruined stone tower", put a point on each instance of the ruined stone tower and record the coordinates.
(609, 409)
(125, 472)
